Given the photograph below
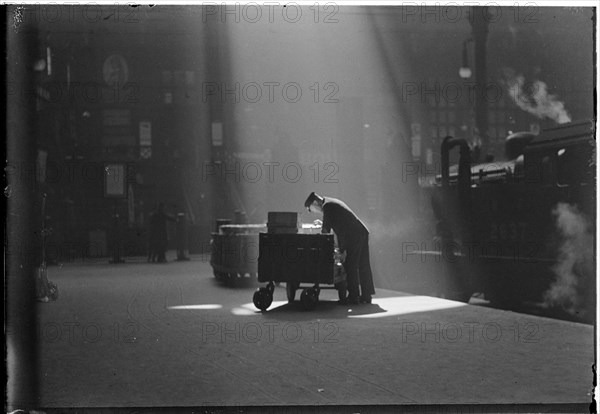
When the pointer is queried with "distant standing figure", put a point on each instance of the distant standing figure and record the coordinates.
(158, 238)
(152, 230)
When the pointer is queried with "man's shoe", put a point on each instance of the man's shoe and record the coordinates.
(365, 299)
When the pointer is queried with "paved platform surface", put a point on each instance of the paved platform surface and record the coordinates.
(167, 335)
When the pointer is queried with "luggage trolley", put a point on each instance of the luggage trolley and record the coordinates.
(234, 249)
(298, 259)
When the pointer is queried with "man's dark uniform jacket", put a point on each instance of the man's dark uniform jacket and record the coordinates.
(353, 237)
(346, 225)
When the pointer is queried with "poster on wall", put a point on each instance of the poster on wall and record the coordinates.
(114, 180)
(145, 133)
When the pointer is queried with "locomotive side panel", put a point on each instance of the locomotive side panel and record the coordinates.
(526, 228)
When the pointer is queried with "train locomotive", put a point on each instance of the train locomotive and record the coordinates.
(521, 231)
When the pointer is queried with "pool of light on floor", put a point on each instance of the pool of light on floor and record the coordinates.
(381, 307)
(207, 306)
(250, 309)
(402, 305)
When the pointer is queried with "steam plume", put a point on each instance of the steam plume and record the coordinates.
(575, 262)
(537, 101)
(398, 229)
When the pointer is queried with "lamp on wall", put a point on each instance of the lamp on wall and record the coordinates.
(465, 71)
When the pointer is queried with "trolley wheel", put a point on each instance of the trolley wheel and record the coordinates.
(290, 289)
(262, 298)
(309, 298)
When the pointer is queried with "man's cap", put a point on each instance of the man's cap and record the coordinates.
(311, 199)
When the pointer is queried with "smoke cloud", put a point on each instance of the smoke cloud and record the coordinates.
(575, 268)
(533, 97)
(404, 230)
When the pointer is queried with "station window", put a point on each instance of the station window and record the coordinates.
(443, 117)
(449, 118)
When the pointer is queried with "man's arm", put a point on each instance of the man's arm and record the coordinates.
(326, 223)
